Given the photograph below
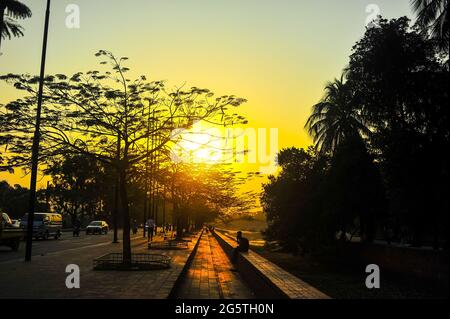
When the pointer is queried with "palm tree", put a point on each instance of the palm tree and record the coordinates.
(10, 10)
(432, 15)
(336, 118)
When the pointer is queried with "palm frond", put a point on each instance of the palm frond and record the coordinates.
(335, 118)
(17, 10)
(11, 29)
(432, 16)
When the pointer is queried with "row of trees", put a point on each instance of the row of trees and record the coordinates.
(13, 200)
(82, 189)
(103, 120)
(380, 158)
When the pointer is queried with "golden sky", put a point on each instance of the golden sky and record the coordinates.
(278, 54)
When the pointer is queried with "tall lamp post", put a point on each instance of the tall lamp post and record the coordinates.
(36, 140)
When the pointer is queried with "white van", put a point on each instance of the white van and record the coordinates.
(45, 225)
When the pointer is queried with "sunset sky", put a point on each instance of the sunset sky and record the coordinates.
(277, 54)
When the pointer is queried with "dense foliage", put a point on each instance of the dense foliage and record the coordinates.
(383, 131)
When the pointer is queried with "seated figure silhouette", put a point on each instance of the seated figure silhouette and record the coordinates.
(243, 246)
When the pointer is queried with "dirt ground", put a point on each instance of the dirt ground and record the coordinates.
(341, 283)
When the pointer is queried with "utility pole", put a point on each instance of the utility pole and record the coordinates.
(36, 140)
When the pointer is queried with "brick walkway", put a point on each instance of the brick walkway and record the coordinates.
(209, 276)
(45, 276)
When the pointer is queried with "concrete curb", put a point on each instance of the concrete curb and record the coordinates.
(265, 278)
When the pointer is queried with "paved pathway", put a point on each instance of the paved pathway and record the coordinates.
(45, 276)
(210, 277)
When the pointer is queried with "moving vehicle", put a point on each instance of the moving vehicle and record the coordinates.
(45, 225)
(9, 235)
(97, 227)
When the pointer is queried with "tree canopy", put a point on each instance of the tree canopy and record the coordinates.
(104, 115)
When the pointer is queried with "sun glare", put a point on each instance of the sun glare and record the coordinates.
(203, 144)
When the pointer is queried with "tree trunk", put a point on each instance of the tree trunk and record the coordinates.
(178, 221)
(145, 201)
(116, 207)
(116, 193)
(126, 216)
(179, 228)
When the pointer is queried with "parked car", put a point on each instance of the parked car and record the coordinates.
(97, 227)
(9, 235)
(45, 225)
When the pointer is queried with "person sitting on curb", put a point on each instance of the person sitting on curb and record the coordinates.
(243, 246)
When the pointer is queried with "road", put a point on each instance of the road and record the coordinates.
(51, 246)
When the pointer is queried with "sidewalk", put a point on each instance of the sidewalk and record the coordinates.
(45, 276)
(210, 277)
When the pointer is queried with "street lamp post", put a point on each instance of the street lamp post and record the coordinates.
(36, 138)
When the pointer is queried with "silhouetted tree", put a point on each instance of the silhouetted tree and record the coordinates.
(401, 85)
(293, 201)
(13, 200)
(10, 10)
(336, 118)
(338, 126)
(88, 113)
(432, 16)
(81, 187)
(354, 191)
(384, 130)
(211, 187)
